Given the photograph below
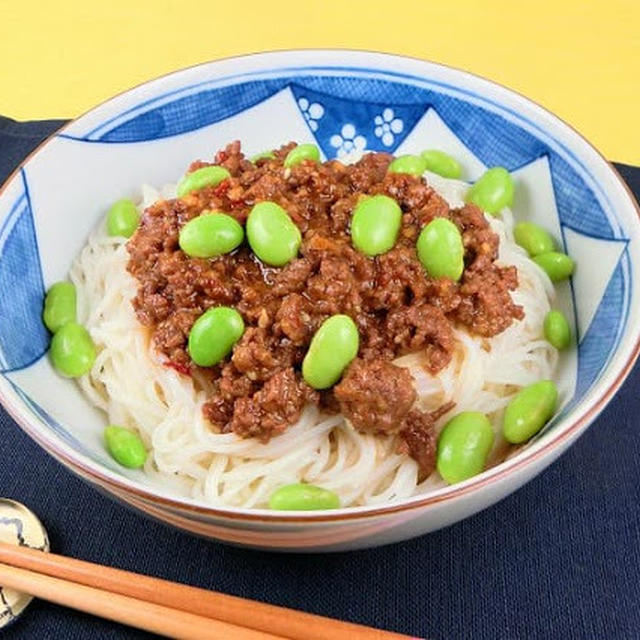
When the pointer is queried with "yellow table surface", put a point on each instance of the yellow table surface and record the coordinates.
(580, 59)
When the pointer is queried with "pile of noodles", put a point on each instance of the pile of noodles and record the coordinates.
(129, 382)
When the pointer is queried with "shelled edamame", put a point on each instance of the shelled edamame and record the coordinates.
(59, 306)
(529, 411)
(125, 447)
(334, 345)
(375, 224)
(210, 176)
(123, 218)
(263, 155)
(493, 191)
(440, 249)
(72, 350)
(441, 163)
(557, 330)
(301, 153)
(532, 238)
(272, 235)
(213, 335)
(558, 266)
(303, 497)
(463, 446)
(413, 165)
(210, 234)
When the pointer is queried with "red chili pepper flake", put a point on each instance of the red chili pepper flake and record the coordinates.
(222, 188)
(177, 366)
(232, 205)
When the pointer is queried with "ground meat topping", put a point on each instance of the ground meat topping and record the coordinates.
(259, 391)
(419, 440)
(375, 395)
(272, 409)
(486, 306)
(422, 326)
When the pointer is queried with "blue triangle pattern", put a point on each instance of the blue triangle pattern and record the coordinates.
(598, 343)
(600, 340)
(492, 138)
(342, 124)
(21, 283)
(192, 112)
(366, 89)
(577, 205)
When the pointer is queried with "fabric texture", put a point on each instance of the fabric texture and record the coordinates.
(558, 559)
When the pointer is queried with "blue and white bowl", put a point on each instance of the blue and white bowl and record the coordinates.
(343, 101)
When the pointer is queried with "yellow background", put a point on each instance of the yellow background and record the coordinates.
(581, 59)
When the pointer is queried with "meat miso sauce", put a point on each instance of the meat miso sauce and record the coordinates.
(396, 306)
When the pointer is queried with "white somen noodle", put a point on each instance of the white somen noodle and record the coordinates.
(129, 382)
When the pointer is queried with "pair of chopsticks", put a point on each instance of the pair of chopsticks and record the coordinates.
(166, 608)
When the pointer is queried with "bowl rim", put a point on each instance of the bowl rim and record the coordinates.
(620, 366)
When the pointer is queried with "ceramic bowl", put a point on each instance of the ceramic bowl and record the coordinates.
(340, 100)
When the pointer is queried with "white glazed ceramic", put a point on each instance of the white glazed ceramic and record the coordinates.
(21, 527)
(341, 100)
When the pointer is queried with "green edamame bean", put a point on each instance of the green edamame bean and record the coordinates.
(463, 446)
(375, 224)
(529, 411)
(532, 238)
(440, 249)
(557, 330)
(303, 497)
(59, 306)
(125, 447)
(213, 335)
(72, 350)
(558, 266)
(493, 191)
(210, 234)
(272, 235)
(441, 163)
(334, 345)
(201, 178)
(301, 153)
(264, 155)
(414, 165)
(123, 218)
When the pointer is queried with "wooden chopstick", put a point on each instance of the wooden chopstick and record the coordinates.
(162, 620)
(258, 616)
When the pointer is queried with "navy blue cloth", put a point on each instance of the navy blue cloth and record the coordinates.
(558, 559)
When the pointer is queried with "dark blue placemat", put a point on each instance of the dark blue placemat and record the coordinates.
(559, 559)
